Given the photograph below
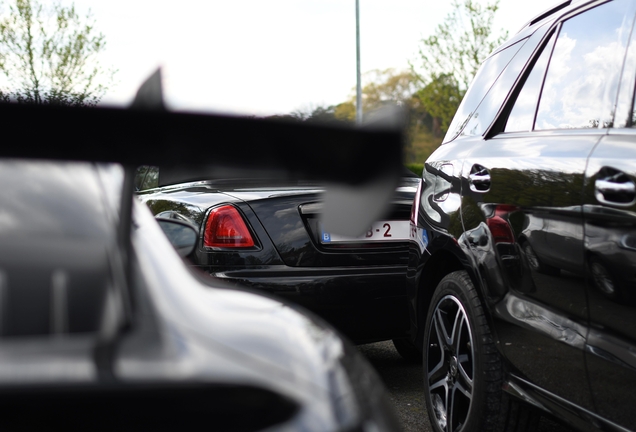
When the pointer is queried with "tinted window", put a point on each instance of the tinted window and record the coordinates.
(522, 116)
(582, 81)
(486, 76)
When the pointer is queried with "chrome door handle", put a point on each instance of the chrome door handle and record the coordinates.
(617, 189)
(479, 179)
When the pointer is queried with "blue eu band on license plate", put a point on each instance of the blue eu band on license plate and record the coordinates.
(380, 231)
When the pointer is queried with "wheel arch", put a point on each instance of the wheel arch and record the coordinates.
(438, 265)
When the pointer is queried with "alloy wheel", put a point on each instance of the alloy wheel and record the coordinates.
(450, 364)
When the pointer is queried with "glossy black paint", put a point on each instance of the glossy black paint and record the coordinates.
(359, 289)
(542, 220)
(82, 345)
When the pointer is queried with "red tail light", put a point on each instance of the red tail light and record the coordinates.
(500, 229)
(226, 228)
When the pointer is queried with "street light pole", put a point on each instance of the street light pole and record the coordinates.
(358, 83)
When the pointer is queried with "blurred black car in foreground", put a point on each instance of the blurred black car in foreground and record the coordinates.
(103, 326)
(268, 235)
(522, 264)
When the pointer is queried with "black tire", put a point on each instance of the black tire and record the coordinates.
(536, 264)
(407, 350)
(463, 371)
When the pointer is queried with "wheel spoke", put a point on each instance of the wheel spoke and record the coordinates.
(455, 393)
(439, 373)
(457, 326)
(437, 384)
(450, 408)
(458, 386)
(440, 328)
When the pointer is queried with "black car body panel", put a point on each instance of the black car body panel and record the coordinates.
(540, 215)
(357, 287)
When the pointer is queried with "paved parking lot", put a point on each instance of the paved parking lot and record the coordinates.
(404, 383)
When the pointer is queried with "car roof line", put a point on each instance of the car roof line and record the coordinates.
(545, 14)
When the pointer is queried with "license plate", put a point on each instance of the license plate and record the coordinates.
(379, 231)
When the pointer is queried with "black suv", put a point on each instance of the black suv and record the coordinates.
(522, 264)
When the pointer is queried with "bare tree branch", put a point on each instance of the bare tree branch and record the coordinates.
(49, 54)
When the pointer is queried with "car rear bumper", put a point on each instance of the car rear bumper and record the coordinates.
(366, 304)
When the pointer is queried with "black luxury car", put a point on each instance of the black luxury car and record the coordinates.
(268, 234)
(522, 264)
(103, 326)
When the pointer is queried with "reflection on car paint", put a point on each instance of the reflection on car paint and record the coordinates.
(543, 220)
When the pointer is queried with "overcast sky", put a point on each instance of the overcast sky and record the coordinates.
(266, 57)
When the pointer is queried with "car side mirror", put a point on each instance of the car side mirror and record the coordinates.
(182, 236)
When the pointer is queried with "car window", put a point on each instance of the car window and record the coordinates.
(522, 115)
(488, 72)
(581, 84)
(483, 116)
(625, 106)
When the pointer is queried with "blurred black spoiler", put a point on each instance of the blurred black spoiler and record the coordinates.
(140, 137)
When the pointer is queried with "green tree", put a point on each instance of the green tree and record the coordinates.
(441, 97)
(451, 56)
(381, 87)
(399, 86)
(388, 86)
(49, 55)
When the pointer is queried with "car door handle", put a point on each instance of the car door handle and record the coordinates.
(479, 179)
(615, 193)
(605, 186)
(614, 188)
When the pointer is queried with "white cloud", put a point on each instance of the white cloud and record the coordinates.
(573, 89)
(252, 56)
